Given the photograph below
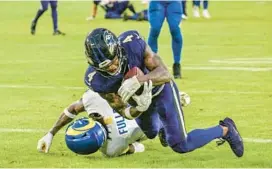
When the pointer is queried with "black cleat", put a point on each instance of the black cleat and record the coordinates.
(162, 137)
(176, 71)
(58, 32)
(233, 137)
(125, 17)
(33, 28)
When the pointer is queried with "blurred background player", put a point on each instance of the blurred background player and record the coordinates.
(43, 8)
(172, 11)
(196, 7)
(139, 16)
(114, 9)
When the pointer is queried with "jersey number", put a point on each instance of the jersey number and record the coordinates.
(90, 76)
(128, 39)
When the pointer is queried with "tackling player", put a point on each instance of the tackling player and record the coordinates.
(111, 58)
(123, 134)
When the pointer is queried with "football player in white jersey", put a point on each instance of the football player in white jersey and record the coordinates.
(123, 134)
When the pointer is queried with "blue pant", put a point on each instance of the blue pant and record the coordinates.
(172, 11)
(166, 111)
(45, 3)
(112, 15)
(44, 7)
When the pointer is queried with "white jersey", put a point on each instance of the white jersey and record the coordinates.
(121, 132)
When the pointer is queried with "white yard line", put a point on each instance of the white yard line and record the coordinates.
(217, 68)
(242, 61)
(7, 86)
(26, 130)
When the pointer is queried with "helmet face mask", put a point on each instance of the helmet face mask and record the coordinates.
(103, 49)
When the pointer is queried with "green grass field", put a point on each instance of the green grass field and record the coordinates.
(226, 67)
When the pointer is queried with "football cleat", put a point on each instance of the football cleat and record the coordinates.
(196, 12)
(206, 14)
(58, 32)
(33, 28)
(176, 71)
(162, 137)
(232, 137)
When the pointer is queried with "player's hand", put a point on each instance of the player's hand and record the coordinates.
(184, 99)
(145, 99)
(128, 88)
(45, 142)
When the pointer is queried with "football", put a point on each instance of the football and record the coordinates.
(135, 71)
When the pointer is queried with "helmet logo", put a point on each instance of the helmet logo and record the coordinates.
(110, 42)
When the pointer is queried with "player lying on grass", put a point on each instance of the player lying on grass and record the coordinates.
(114, 9)
(122, 134)
(111, 58)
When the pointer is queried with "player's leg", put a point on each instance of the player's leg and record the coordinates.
(140, 16)
(54, 6)
(184, 11)
(112, 15)
(206, 13)
(134, 17)
(196, 6)
(172, 117)
(42, 9)
(156, 14)
(149, 121)
(145, 15)
(131, 8)
(174, 16)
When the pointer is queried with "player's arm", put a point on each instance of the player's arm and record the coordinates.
(66, 117)
(159, 73)
(118, 105)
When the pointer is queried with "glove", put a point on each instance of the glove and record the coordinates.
(145, 99)
(128, 88)
(184, 99)
(45, 142)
